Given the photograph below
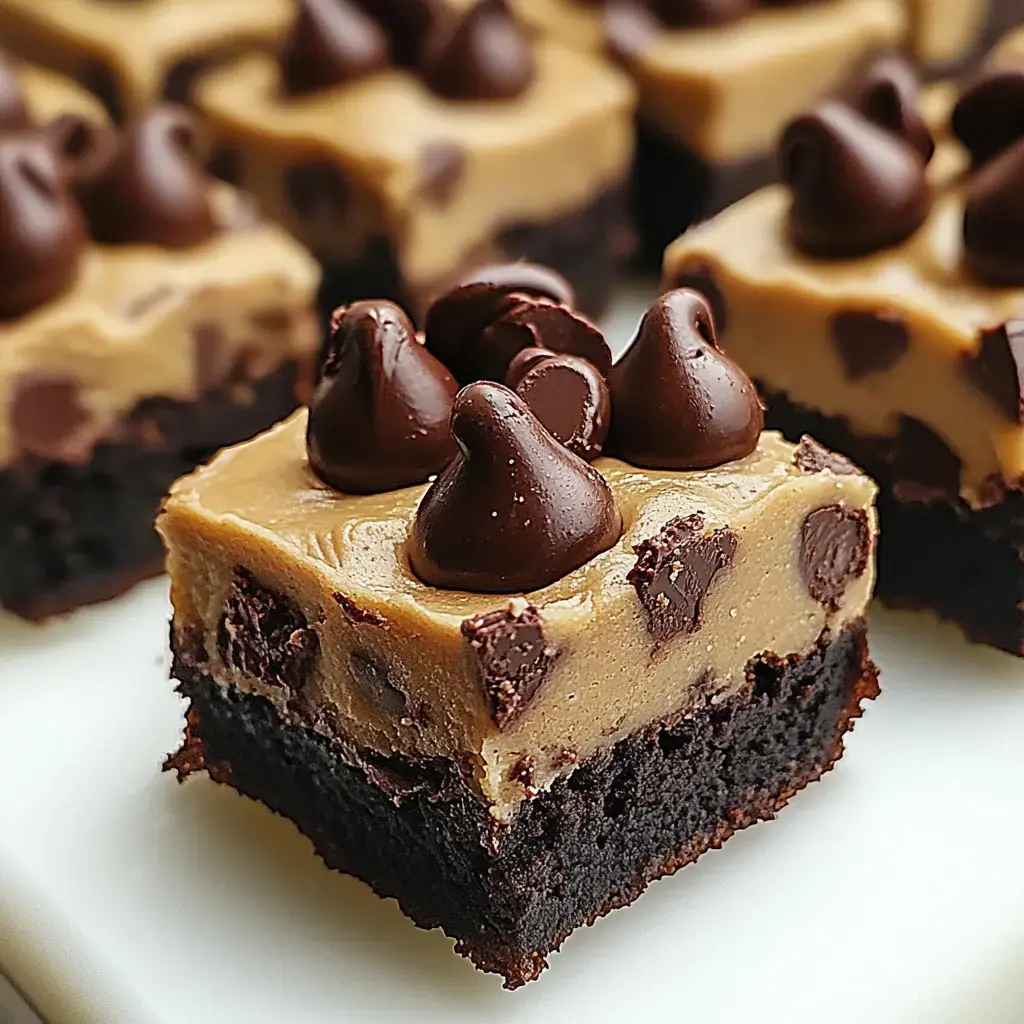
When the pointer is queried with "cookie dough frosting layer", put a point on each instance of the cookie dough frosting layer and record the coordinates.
(726, 90)
(439, 178)
(397, 666)
(49, 95)
(137, 51)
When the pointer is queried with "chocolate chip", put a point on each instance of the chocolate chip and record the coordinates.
(835, 543)
(330, 42)
(674, 572)
(151, 189)
(182, 76)
(142, 304)
(678, 402)
(989, 116)
(317, 190)
(379, 417)
(701, 278)
(571, 400)
(42, 234)
(524, 361)
(512, 657)
(922, 466)
(100, 80)
(994, 221)
(211, 358)
(441, 167)
(856, 187)
(812, 457)
(49, 419)
(360, 616)
(630, 29)
(869, 342)
(263, 634)
(997, 368)
(514, 511)
(410, 24)
(13, 112)
(226, 162)
(690, 13)
(376, 682)
(484, 54)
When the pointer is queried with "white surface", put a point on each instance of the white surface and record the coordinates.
(892, 891)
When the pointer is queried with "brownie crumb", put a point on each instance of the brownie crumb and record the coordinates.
(997, 368)
(834, 545)
(674, 571)
(264, 634)
(357, 615)
(513, 658)
(812, 457)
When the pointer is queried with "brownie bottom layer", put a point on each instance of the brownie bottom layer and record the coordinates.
(935, 553)
(509, 894)
(589, 246)
(77, 534)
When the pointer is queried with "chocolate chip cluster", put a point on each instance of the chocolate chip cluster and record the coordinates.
(516, 505)
(477, 54)
(69, 180)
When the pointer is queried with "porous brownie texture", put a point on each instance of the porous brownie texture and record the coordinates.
(75, 534)
(934, 550)
(510, 893)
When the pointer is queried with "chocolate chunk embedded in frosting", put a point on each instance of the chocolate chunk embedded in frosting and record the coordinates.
(678, 402)
(330, 42)
(687, 13)
(42, 233)
(380, 416)
(994, 221)
(149, 188)
(989, 116)
(514, 511)
(856, 187)
(482, 54)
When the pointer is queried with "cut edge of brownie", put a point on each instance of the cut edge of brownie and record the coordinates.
(509, 894)
(77, 534)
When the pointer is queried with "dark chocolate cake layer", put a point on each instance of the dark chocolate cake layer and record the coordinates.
(934, 551)
(589, 247)
(76, 534)
(510, 894)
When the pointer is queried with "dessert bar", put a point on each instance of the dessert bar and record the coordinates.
(147, 317)
(875, 296)
(409, 146)
(508, 653)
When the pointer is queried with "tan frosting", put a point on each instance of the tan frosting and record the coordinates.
(259, 506)
(727, 91)
(543, 154)
(139, 42)
(48, 95)
(95, 334)
(944, 32)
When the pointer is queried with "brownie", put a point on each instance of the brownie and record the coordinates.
(508, 653)
(148, 316)
(717, 82)
(878, 309)
(136, 53)
(410, 159)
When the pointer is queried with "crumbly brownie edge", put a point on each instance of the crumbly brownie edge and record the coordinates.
(510, 894)
(965, 564)
(589, 246)
(73, 535)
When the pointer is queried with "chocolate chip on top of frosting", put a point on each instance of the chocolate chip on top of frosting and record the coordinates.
(379, 418)
(515, 510)
(678, 402)
(989, 115)
(480, 53)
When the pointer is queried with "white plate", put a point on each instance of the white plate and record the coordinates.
(892, 891)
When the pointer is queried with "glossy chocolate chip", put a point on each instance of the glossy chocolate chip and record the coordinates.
(856, 187)
(997, 368)
(483, 54)
(571, 400)
(525, 279)
(42, 233)
(989, 116)
(82, 146)
(630, 29)
(514, 511)
(812, 457)
(701, 278)
(150, 189)
(330, 42)
(380, 416)
(13, 112)
(886, 90)
(687, 13)
(524, 361)
(993, 227)
(869, 341)
(678, 402)
(410, 24)
(835, 543)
